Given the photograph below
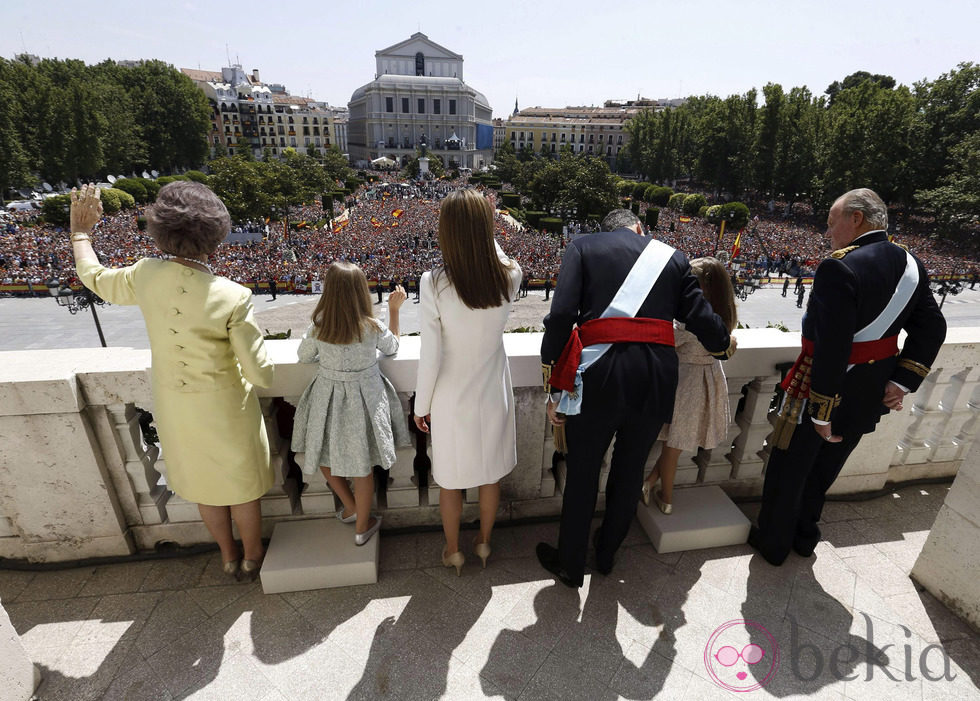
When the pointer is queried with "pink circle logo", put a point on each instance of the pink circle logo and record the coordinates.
(729, 658)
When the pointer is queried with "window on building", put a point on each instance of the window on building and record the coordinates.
(282, 141)
(389, 104)
(552, 148)
(581, 139)
(608, 150)
(419, 65)
(552, 137)
(291, 119)
(405, 105)
(437, 107)
(292, 142)
(513, 136)
(590, 148)
(306, 131)
(563, 138)
(282, 130)
(591, 139)
(620, 141)
(452, 107)
(421, 105)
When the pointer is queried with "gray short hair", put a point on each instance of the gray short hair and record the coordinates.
(187, 219)
(619, 219)
(867, 203)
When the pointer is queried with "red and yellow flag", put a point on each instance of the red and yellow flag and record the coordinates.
(397, 213)
(684, 220)
(736, 247)
(375, 222)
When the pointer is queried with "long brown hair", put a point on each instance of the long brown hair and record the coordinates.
(344, 309)
(717, 288)
(469, 259)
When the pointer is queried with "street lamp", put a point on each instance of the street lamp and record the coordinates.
(74, 302)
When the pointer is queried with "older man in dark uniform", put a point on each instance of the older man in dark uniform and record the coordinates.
(850, 372)
(628, 392)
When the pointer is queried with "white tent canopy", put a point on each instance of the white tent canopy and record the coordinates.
(382, 161)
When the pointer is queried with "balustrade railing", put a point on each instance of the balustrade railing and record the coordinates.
(77, 478)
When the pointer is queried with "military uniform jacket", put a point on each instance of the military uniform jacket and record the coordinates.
(850, 290)
(642, 376)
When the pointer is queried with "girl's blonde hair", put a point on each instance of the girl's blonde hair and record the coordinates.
(469, 258)
(344, 309)
(717, 287)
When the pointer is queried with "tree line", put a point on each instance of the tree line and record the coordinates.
(62, 120)
(918, 146)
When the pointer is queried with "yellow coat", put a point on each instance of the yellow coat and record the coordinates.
(207, 353)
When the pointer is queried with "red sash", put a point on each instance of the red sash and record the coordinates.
(607, 330)
(861, 352)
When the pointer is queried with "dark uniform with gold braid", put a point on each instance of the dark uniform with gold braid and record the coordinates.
(850, 290)
(628, 393)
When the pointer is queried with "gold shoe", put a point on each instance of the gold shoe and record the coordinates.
(231, 567)
(645, 493)
(455, 560)
(249, 570)
(665, 507)
(482, 551)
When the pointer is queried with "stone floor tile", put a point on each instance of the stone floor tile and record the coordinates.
(562, 678)
(324, 671)
(881, 687)
(85, 671)
(463, 682)
(544, 613)
(116, 618)
(398, 552)
(238, 678)
(819, 613)
(214, 599)
(881, 507)
(174, 615)
(904, 553)
(961, 688)
(264, 626)
(116, 579)
(701, 689)
(521, 541)
(57, 584)
(927, 498)
(513, 661)
(138, 682)
(646, 675)
(829, 576)
(964, 656)
(750, 509)
(843, 536)
(213, 574)
(881, 574)
(12, 583)
(47, 627)
(835, 511)
(928, 617)
(176, 573)
(429, 545)
(188, 662)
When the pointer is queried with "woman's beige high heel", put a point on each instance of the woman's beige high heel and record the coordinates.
(455, 560)
(482, 551)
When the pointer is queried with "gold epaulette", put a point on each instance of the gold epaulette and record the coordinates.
(546, 369)
(841, 252)
(912, 366)
(902, 245)
(821, 406)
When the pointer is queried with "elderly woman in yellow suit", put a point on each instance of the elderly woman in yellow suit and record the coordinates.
(207, 353)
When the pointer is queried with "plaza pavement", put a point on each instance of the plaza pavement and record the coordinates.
(848, 623)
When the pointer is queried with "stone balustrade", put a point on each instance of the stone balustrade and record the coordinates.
(77, 480)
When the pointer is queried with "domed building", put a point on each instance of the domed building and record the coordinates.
(418, 91)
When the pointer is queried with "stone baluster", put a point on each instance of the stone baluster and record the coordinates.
(716, 464)
(754, 427)
(948, 440)
(915, 446)
(140, 462)
(970, 429)
(402, 488)
(282, 499)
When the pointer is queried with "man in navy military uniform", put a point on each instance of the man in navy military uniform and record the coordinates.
(628, 393)
(850, 372)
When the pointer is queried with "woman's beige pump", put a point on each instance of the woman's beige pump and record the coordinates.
(482, 551)
(455, 560)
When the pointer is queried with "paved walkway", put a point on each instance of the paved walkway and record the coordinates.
(847, 624)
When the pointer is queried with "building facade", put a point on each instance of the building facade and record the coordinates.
(418, 90)
(247, 113)
(594, 131)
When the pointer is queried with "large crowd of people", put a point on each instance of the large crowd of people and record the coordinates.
(389, 229)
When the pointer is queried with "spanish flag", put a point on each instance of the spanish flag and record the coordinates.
(684, 220)
(397, 213)
(337, 229)
(375, 222)
(736, 247)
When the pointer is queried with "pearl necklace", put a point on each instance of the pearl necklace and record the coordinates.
(168, 256)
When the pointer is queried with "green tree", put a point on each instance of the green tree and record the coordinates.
(956, 201)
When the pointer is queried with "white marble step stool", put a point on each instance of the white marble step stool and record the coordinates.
(703, 517)
(317, 554)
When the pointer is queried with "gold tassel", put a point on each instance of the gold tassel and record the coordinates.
(786, 423)
(558, 433)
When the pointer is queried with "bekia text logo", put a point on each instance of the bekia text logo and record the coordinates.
(728, 658)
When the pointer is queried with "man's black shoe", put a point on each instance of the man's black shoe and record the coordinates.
(601, 568)
(755, 542)
(548, 557)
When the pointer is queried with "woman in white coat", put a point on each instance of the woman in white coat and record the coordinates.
(463, 384)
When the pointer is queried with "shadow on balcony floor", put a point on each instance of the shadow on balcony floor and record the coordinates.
(848, 623)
